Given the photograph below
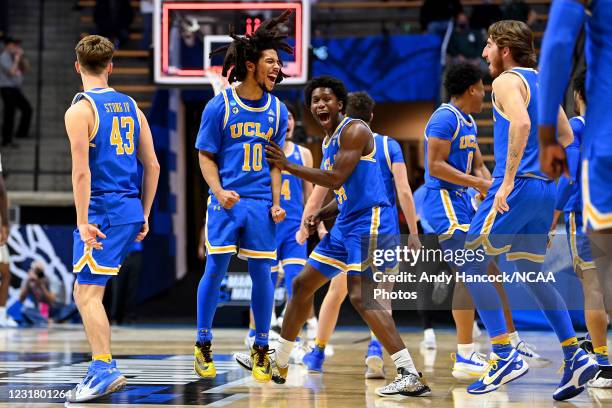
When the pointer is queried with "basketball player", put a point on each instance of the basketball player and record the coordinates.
(5, 273)
(515, 216)
(108, 135)
(244, 202)
(348, 159)
(569, 203)
(393, 170)
(565, 22)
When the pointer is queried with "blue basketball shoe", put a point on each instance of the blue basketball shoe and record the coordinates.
(499, 372)
(314, 359)
(101, 379)
(577, 371)
(374, 361)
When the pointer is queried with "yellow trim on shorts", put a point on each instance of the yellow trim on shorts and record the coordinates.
(293, 261)
(530, 256)
(577, 261)
(483, 239)
(213, 249)
(451, 216)
(328, 261)
(88, 260)
(274, 268)
(591, 214)
(250, 253)
(353, 267)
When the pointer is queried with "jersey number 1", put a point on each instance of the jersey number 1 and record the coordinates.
(127, 125)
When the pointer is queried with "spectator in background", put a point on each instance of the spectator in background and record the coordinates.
(436, 15)
(483, 15)
(466, 43)
(12, 67)
(146, 9)
(3, 18)
(113, 19)
(519, 10)
(125, 286)
(36, 288)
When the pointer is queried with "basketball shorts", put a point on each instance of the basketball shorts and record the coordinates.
(580, 248)
(521, 232)
(597, 192)
(96, 267)
(352, 240)
(288, 251)
(448, 213)
(246, 228)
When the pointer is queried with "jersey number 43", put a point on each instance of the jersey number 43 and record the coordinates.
(118, 133)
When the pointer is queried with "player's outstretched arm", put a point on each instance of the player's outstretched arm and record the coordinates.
(79, 120)
(353, 141)
(438, 150)
(508, 95)
(313, 204)
(150, 176)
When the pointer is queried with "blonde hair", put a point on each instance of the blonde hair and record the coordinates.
(94, 53)
(518, 37)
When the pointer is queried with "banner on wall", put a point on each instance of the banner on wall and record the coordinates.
(391, 68)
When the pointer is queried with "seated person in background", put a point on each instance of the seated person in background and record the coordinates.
(36, 288)
(466, 43)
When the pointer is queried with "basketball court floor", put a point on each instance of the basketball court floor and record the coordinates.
(38, 365)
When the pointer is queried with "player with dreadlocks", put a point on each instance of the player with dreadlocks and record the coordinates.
(244, 202)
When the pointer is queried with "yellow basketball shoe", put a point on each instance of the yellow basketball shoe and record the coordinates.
(203, 363)
(260, 361)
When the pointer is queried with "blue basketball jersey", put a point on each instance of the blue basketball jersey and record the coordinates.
(364, 188)
(388, 151)
(530, 163)
(113, 159)
(598, 54)
(449, 123)
(236, 131)
(292, 191)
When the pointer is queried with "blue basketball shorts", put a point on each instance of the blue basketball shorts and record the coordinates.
(288, 251)
(597, 192)
(246, 228)
(342, 249)
(521, 232)
(96, 267)
(580, 247)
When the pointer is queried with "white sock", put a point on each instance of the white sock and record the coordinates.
(402, 359)
(2, 312)
(312, 321)
(465, 350)
(514, 338)
(429, 334)
(283, 351)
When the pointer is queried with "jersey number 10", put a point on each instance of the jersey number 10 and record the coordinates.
(252, 162)
(116, 139)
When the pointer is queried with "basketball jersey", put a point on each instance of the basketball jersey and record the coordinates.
(449, 123)
(113, 159)
(598, 54)
(530, 162)
(364, 187)
(292, 190)
(569, 190)
(388, 151)
(236, 131)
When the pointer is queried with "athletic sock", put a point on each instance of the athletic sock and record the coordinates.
(402, 359)
(502, 347)
(373, 337)
(466, 350)
(107, 358)
(204, 335)
(601, 355)
(429, 335)
(569, 347)
(312, 321)
(283, 351)
(514, 338)
(320, 344)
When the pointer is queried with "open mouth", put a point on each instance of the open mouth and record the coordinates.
(272, 78)
(323, 116)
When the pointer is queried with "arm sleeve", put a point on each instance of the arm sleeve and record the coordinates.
(211, 126)
(279, 137)
(443, 125)
(564, 190)
(564, 23)
(395, 151)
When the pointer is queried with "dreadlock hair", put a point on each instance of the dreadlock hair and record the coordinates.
(578, 84)
(336, 85)
(268, 35)
(360, 106)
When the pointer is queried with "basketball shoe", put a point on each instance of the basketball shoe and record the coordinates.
(102, 379)
(203, 363)
(374, 361)
(278, 374)
(468, 368)
(405, 384)
(314, 359)
(499, 372)
(577, 371)
(528, 353)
